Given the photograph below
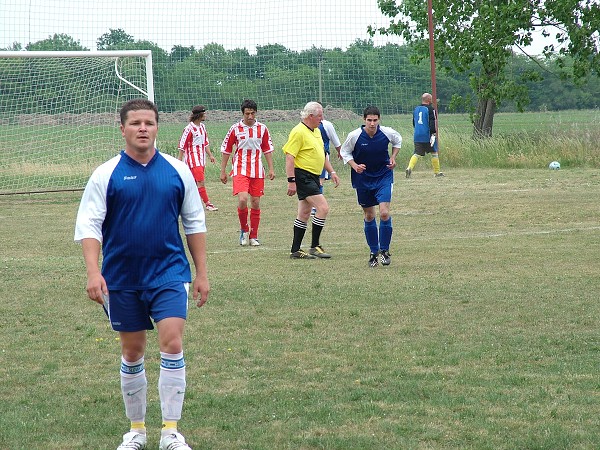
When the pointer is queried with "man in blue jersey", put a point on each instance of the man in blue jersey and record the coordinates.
(130, 210)
(425, 135)
(366, 150)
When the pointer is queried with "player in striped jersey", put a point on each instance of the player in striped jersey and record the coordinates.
(366, 150)
(130, 211)
(193, 149)
(251, 140)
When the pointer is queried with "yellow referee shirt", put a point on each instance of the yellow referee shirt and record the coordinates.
(306, 146)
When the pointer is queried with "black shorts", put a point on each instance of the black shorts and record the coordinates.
(423, 147)
(307, 183)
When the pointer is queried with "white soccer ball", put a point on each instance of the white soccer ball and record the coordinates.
(554, 165)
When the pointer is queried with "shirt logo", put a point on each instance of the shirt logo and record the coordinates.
(131, 177)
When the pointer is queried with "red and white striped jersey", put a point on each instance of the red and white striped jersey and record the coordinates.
(193, 143)
(249, 141)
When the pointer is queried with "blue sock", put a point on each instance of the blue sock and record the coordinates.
(372, 236)
(385, 233)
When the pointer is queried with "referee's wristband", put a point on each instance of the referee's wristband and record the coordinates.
(332, 172)
(291, 179)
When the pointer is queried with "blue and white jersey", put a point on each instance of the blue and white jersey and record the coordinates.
(328, 134)
(424, 123)
(133, 210)
(373, 152)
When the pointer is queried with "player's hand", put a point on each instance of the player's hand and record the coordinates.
(201, 290)
(96, 288)
(291, 190)
(432, 140)
(223, 178)
(392, 164)
(271, 174)
(359, 168)
(212, 159)
(336, 179)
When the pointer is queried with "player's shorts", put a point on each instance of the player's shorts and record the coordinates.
(198, 173)
(381, 193)
(325, 175)
(253, 186)
(307, 184)
(134, 310)
(424, 147)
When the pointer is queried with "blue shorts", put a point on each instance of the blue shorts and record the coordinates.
(375, 196)
(133, 310)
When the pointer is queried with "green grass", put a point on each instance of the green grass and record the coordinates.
(483, 333)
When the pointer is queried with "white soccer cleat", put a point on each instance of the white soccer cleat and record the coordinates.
(254, 242)
(211, 207)
(244, 237)
(173, 441)
(133, 441)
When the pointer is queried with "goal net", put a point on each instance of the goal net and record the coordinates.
(59, 114)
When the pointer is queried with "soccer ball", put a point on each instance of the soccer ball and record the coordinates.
(554, 165)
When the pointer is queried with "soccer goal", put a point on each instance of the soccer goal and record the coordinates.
(59, 114)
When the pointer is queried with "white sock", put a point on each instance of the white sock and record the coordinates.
(134, 387)
(171, 386)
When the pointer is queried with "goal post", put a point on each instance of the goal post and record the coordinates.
(59, 113)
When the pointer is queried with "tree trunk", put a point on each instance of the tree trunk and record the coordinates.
(484, 120)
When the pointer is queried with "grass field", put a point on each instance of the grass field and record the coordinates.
(483, 333)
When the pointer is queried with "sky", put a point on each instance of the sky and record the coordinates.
(297, 25)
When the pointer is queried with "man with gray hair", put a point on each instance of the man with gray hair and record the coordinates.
(304, 162)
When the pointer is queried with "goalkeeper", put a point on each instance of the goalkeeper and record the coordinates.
(425, 135)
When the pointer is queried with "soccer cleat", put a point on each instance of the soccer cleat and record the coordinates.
(384, 255)
(173, 441)
(211, 207)
(374, 260)
(408, 172)
(254, 242)
(133, 441)
(439, 174)
(244, 237)
(319, 252)
(301, 254)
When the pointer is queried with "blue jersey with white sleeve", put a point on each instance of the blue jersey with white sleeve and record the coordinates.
(373, 152)
(133, 210)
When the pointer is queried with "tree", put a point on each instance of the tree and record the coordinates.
(114, 40)
(57, 42)
(478, 37)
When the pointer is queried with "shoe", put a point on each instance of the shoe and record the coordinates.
(254, 242)
(408, 172)
(133, 441)
(374, 260)
(244, 237)
(439, 174)
(211, 207)
(174, 441)
(384, 256)
(319, 252)
(301, 254)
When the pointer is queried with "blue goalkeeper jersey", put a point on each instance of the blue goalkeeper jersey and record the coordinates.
(134, 210)
(424, 123)
(373, 152)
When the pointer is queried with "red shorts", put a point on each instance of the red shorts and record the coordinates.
(253, 186)
(198, 173)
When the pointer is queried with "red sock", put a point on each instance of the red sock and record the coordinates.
(243, 216)
(254, 221)
(203, 194)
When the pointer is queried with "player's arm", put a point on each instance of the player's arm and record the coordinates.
(348, 149)
(269, 158)
(290, 171)
(96, 285)
(226, 150)
(210, 155)
(196, 243)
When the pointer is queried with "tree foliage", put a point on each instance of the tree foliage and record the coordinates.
(477, 37)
